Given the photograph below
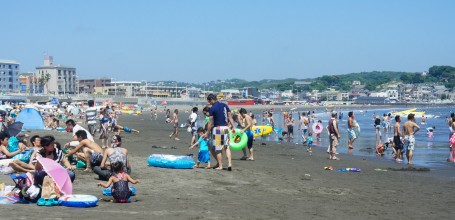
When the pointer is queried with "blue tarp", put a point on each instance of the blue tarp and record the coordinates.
(31, 119)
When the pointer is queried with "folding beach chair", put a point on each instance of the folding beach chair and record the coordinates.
(22, 180)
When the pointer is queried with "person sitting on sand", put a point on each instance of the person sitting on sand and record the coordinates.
(204, 154)
(113, 154)
(71, 126)
(4, 152)
(120, 190)
(87, 150)
(52, 150)
(20, 166)
(380, 149)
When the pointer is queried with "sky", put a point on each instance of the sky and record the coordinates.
(203, 40)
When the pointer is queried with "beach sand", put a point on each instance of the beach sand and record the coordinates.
(284, 182)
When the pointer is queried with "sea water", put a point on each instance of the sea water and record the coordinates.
(432, 152)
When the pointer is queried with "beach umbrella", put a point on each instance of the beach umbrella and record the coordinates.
(14, 129)
(58, 174)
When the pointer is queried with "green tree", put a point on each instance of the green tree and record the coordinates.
(43, 81)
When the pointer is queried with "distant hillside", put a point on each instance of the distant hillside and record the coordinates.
(371, 80)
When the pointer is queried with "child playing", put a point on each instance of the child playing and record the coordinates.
(120, 190)
(318, 135)
(203, 155)
(309, 141)
(430, 131)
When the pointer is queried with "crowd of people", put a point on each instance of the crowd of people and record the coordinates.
(109, 161)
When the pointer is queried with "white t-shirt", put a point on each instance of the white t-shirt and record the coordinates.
(193, 119)
(78, 127)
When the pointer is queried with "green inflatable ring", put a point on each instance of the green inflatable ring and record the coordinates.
(237, 141)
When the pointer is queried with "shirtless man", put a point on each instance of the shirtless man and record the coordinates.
(91, 153)
(351, 130)
(409, 129)
(396, 139)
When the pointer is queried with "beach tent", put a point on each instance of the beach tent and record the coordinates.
(31, 119)
(54, 101)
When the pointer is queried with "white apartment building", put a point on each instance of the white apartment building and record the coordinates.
(9, 76)
(62, 79)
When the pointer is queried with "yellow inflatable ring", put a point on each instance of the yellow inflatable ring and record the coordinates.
(237, 141)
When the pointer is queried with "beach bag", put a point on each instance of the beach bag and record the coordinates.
(32, 193)
(452, 139)
(49, 190)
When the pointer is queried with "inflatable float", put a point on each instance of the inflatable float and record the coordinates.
(261, 130)
(78, 201)
(171, 161)
(317, 128)
(238, 140)
(108, 191)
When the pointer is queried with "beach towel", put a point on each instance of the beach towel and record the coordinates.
(8, 200)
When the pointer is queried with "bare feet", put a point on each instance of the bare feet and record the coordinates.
(335, 158)
(219, 168)
(88, 169)
(250, 158)
(244, 158)
(177, 139)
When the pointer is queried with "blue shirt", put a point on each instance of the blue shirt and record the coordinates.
(219, 111)
(203, 144)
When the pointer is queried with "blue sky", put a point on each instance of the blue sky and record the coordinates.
(199, 41)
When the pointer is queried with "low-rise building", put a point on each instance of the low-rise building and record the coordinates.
(9, 76)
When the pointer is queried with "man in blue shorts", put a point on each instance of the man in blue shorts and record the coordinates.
(220, 118)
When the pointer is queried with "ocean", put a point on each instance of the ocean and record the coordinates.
(431, 152)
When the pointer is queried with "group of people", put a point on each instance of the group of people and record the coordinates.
(109, 162)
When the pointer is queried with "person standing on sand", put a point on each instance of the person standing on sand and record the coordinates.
(396, 139)
(175, 123)
(246, 126)
(351, 130)
(220, 118)
(303, 127)
(290, 121)
(409, 129)
(334, 136)
(377, 125)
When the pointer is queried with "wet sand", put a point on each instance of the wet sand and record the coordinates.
(284, 182)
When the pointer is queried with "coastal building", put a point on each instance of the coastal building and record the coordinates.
(88, 86)
(9, 76)
(28, 83)
(56, 79)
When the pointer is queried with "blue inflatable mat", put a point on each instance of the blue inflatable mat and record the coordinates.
(171, 161)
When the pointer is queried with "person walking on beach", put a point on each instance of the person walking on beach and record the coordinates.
(377, 125)
(90, 117)
(410, 128)
(452, 139)
(220, 118)
(351, 130)
(175, 123)
(396, 139)
(334, 136)
(193, 125)
(303, 126)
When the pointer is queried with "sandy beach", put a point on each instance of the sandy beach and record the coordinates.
(284, 182)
